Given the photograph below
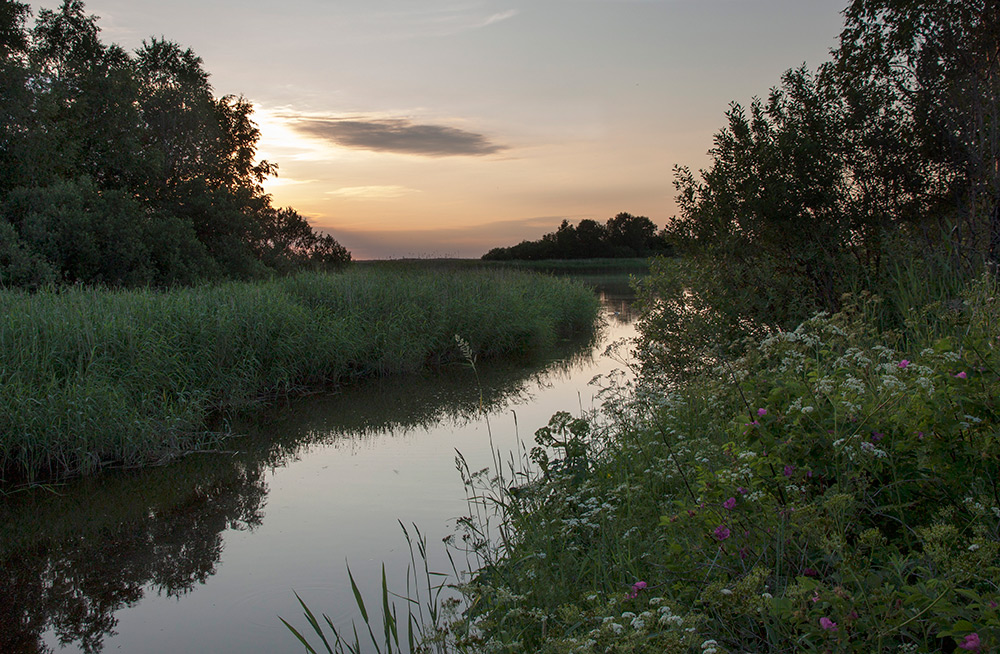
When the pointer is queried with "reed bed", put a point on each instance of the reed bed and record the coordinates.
(91, 377)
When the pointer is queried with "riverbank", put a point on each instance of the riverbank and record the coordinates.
(832, 489)
(93, 378)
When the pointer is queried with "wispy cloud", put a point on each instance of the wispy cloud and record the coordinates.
(275, 181)
(398, 135)
(372, 192)
(439, 19)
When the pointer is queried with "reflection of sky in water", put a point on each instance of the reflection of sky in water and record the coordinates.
(346, 469)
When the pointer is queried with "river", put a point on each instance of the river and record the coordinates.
(203, 555)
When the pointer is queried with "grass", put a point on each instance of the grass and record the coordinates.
(93, 377)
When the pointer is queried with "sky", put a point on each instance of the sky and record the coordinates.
(444, 128)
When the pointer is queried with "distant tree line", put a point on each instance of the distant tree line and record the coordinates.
(623, 236)
(125, 169)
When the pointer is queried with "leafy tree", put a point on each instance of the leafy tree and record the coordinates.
(624, 235)
(126, 169)
(13, 39)
(937, 62)
(630, 235)
(888, 151)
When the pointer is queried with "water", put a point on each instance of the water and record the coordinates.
(205, 554)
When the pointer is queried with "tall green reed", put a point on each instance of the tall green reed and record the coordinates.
(92, 377)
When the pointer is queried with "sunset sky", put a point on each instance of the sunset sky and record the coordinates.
(448, 127)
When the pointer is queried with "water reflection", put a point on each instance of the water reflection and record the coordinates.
(76, 559)
(71, 557)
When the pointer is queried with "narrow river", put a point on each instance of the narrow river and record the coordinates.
(203, 555)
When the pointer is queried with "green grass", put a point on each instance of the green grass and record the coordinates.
(91, 377)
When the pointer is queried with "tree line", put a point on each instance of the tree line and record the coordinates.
(125, 169)
(884, 159)
(624, 235)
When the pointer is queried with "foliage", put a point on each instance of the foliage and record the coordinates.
(94, 377)
(88, 128)
(889, 150)
(824, 492)
(935, 62)
(624, 236)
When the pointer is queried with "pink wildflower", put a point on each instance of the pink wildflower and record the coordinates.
(789, 470)
(636, 587)
(962, 375)
(828, 624)
(722, 532)
(903, 363)
(970, 643)
(741, 490)
(730, 503)
(762, 412)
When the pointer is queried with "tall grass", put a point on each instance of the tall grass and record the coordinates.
(90, 377)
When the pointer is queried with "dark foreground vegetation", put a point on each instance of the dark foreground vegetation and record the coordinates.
(124, 169)
(808, 459)
(94, 377)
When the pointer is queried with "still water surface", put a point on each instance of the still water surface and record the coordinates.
(204, 555)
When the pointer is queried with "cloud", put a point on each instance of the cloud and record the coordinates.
(397, 135)
(275, 181)
(437, 19)
(372, 192)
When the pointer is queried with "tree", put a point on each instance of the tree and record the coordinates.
(106, 156)
(13, 39)
(939, 60)
(633, 235)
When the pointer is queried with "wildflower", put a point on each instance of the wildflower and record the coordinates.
(722, 532)
(809, 572)
(903, 363)
(962, 375)
(636, 587)
(730, 503)
(877, 436)
(828, 624)
(788, 471)
(741, 490)
(970, 643)
(815, 597)
(761, 412)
